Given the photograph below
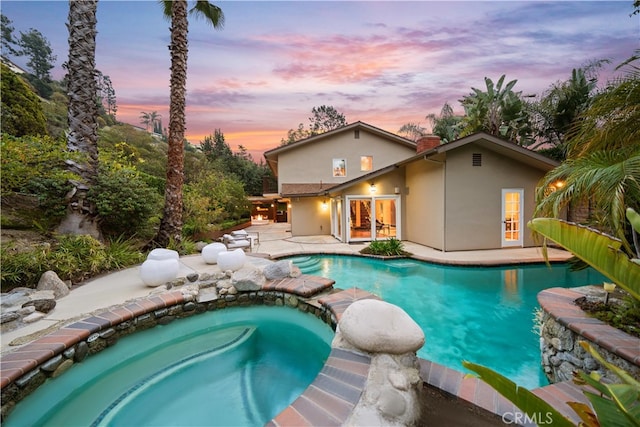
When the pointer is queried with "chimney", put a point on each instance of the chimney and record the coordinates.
(426, 143)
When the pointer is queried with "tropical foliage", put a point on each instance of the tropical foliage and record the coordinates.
(497, 110)
(390, 247)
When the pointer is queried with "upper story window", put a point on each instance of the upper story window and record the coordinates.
(356, 134)
(339, 167)
(366, 163)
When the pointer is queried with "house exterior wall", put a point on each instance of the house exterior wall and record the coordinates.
(313, 162)
(473, 197)
(424, 204)
(308, 218)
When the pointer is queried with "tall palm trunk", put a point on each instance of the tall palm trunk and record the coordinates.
(171, 224)
(83, 113)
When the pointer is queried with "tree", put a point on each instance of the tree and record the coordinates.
(412, 131)
(83, 114)
(149, 119)
(498, 111)
(106, 94)
(8, 42)
(555, 114)
(34, 45)
(171, 223)
(324, 119)
(447, 125)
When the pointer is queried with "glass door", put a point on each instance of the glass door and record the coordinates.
(512, 204)
(359, 219)
(336, 218)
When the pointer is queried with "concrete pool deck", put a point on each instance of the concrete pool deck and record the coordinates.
(275, 241)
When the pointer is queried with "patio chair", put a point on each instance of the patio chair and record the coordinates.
(234, 242)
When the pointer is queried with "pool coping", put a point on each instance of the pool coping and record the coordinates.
(333, 394)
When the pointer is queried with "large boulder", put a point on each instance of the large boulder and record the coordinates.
(50, 281)
(248, 278)
(281, 270)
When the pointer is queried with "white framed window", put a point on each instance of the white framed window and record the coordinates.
(339, 167)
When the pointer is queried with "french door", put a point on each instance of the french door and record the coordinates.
(512, 218)
(372, 218)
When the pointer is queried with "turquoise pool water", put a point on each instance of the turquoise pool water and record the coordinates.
(232, 367)
(480, 314)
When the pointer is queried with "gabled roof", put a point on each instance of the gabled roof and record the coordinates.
(271, 156)
(493, 143)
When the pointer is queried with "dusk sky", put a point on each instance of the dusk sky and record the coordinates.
(384, 63)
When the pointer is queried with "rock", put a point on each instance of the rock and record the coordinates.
(33, 317)
(42, 305)
(278, 270)
(8, 317)
(16, 297)
(379, 327)
(211, 251)
(248, 278)
(231, 260)
(200, 245)
(51, 282)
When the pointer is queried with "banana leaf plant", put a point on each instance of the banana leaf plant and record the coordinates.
(613, 404)
(599, 250)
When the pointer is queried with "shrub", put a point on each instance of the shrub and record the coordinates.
(126, 205)
(74, 258)
(391, 247)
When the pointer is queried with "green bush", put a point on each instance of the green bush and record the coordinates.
(74, 258)
(391, 247)
(126, 205)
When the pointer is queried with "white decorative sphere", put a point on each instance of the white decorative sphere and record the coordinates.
(211, 251)
(161, 253)
(231, 260)
(156, 272)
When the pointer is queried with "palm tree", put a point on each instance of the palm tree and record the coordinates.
(603, 159)
(82, 113)
(171, 223)
(447, 125)
(149, 119)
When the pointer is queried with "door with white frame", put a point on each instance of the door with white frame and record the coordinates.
(512, 217)
(372, 217)
(336, 218)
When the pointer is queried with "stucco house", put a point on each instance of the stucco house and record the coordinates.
(360, 183)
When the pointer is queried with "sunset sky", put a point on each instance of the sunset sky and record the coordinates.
(386, 63)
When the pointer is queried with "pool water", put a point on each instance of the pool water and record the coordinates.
(232, 367)
(481, 314)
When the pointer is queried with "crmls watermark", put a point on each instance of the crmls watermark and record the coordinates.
(539, 418)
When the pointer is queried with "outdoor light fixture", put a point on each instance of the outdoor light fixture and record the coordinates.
(608, 287)
(372, 189)
(324, 205)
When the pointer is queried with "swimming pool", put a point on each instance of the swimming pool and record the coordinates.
(481, 314)
(237, 366)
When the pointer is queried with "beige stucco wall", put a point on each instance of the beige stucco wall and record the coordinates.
(313, 162)
(308, 218)
(474, 197)
(424, 204)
